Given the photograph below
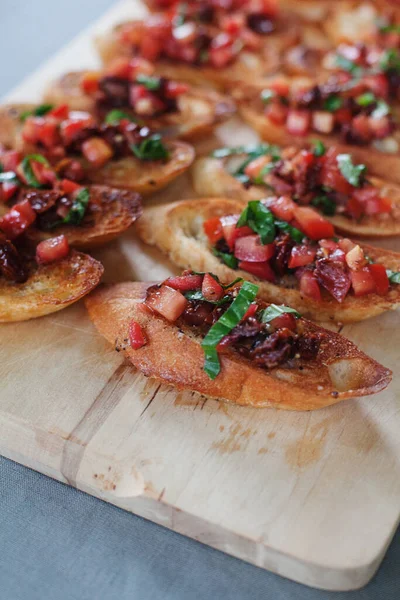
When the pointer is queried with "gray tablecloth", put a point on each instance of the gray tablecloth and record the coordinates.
(59, 544)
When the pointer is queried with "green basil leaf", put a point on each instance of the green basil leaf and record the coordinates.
(151, 83)
(39, 111)
(390, 28)
(390, 60)
(115, 116)
(228, 321)
(228, 259)
(253, 151)
(272, 311)
(260, 219)
(347, 65)
(354, 174)
(197, 295)
(325, 204)
(297, 235)
(319, 148)
(27, 169)
(366, 99)
(333, 103)
(151, 148)
(393, 276)
(78, 208)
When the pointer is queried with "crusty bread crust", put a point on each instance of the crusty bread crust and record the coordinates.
(177, 229)
(49, 288)
(210, 178)
(129, 173)
(172, 357)
(199, 110)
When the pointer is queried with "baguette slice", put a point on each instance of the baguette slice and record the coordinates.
(177, 230)
(199, 110)
(130, 173)
(49, 288)
(340, 371)
(210, 177)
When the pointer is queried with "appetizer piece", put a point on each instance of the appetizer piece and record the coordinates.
(171, 107)
(45, 202)
(290, 251)
(331, 182)
(36, 282)
(194, 333)
(114, 151)
(204, 41)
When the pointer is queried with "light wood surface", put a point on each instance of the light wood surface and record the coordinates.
(312, 496)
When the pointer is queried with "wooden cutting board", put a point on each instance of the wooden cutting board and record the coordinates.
(312, 496)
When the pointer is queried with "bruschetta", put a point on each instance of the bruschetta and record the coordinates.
(201, 42)
(196, 334)
(290, 251)
(37, 281)
(343, 191)
(43, 202)
(173, 108)
(114, 151)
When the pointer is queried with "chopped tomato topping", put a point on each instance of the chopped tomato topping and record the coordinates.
(313, 224)
(52, 250)
(60, 112)
(97, 151)
(211, 289)
(283, 208)
(298, 122)
(380, 277)
(69, 186)
(301, 256)
(254, 168)
(251, 311)
(309, 286)
(363, 282)
(213, 229)
(262, 270)
(250, 249)
(372, 203)
(355, 258)
(43, 130)
(286, 320)
(44, 174)
(90, 82)
(231, 232)
(18, 219)
(174, 89)
(10, 160)
(276, 113)
(184, 283)
(71, 127)
(7, 190)
(169, 303)
(331, 176)
(137, 338)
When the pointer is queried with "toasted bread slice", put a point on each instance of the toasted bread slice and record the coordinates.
(130, 173)
(383, 164)
(199, 110)
(49, 288)
(211, 178)
(177, 229)
(340, 370)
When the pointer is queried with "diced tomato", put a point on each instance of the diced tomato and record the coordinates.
(361, 127)
(10, 160)
(211, 289)
(286, 320)
(60, 112)
(345, 244)
(251, 311)
(150, 48)
(144, 102)
(354, 208)
(378, 84)
(232, 24)
(343, 116)
(41, 129)
(44, 174)
(277, 113)
(220, 57)
(90, 82)
(173, 89)
(69, 186)
(380, 127)
(301, 256)
(313, 224)
(255, 167)
(323, 121)
(262, 270)
(371, 202)
(309, 286)
(71, 127)
(362, 282)
(137, 338)
(380, 277)
(298, 122)
(280, 86)
(331, 176)
(282, 207)
(231, 232)
(355, 258)
(329, 245)
(7, 190)
(184, 283)
(97, 151)
(250, 249)
(169, 303)
(120, 67)
(18, 219)
(213, 229)
(338, 256)
(52, 250)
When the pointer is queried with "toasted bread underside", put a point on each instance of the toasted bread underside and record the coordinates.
(200, 110)
(340, 372)
(211, 178)
(49, 288)
(177, 229)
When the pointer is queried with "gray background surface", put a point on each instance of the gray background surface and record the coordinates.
(59, 544)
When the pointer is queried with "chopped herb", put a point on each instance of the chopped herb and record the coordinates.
(325, 204)
(347, 65)
(260, 219)
(39, 111)
(227, 258)
(27, 169)
(150, 83)
(390, 60)
(272, 311)
(393, 276)
(297, 235)
(115, 116)
(259, 180)
(354, 174)
(389, 28)
(253, 151)
(151, 148)
(197, 295)
(366, 99)
(333, 103)
(319, 148)
(228, 321)
(267, 96)
(382, 109)
(78, 208)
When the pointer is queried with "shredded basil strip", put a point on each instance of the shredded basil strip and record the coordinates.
(273, 310)
(390, 60)
(78, 208)
(27, 169)
(151, 148)
(393, 276)
(8, 177)
(253, 151)
(228, 321)
(333, 103)
(39, 111)
(347, 65)
(260, 219)
(325, 204)
(319, 148)
(230, 260)
(115, 116)
(150, 83)
(197, 295)
(354, 174)
(366, 99)
(390, 28)
(297, 235)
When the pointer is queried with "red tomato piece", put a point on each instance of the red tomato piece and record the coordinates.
(52, 250)
(251, 311)
(228, 224)
(255, 167)
(313, 224)
(380, 277)
(283, 208)
(309, 286)
(143, 102)
(69, 186)
(250, 249)
(354, 208)
(184, 283)
(173, 89)
(378, 84)
(277, 113)
(71, 127)
(60, 112)
(137, 338)
(298, 122)
(345, 244)
(213, 229)
(44, 174)
(368, 197)
(211, 289)
(262, 270)
(362, 282)
(329, 245)
(10, 160)
(18, 219)
(97, 151)
(169, 303)
(301, 256)
(330, 174)
(90, 83)
(286, 320)
(7, 190)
